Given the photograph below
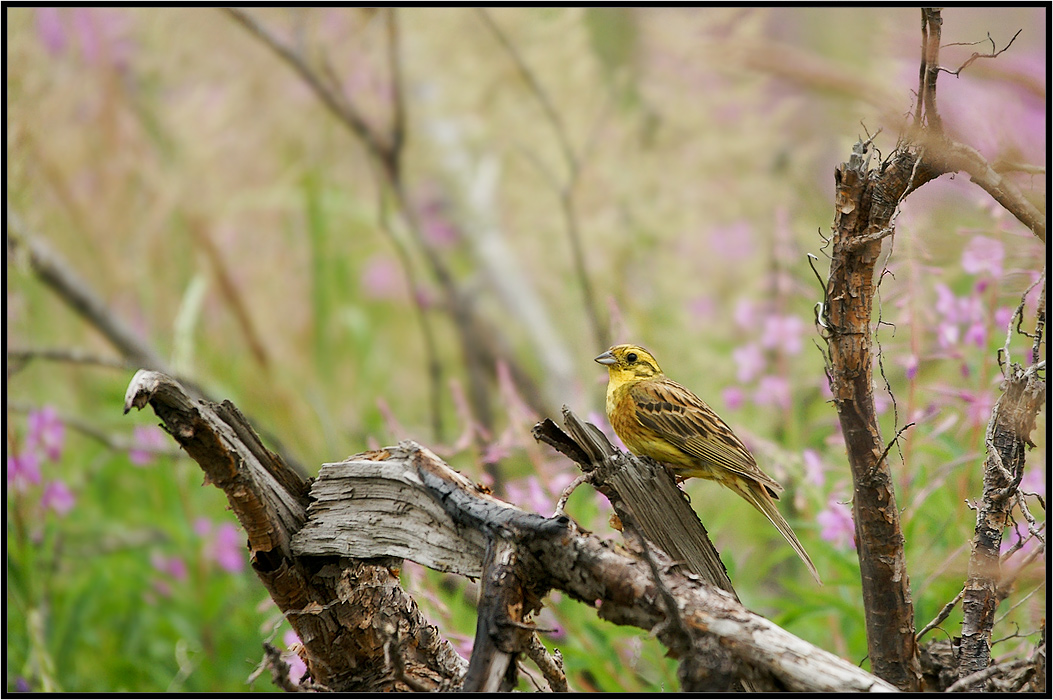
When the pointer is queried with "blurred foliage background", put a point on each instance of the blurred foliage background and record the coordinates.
(197, 184)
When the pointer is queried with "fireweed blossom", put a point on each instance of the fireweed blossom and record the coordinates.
(23, 470)
(750, 361)
(837, 526)
(784, 332)
(57, 497)
(813, 468)
(983, 255)
(297, 668)
(146, 441)
(223, 545)
(45, 431)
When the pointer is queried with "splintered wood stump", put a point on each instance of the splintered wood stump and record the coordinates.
(643, 493)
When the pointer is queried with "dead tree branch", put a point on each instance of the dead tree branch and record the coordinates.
(866, 202)
(338, 607)
(482, 343)
(75, 292)
(56, 273)
(640, 491)
(411, 502)
(326, 557)
(1008, 437)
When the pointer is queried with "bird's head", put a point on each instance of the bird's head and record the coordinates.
(627, 362)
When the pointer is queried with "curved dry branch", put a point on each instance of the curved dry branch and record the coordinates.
(444, 521)
(327, 559)
(342, 609)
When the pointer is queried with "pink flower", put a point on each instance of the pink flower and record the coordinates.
(882, 401)
(1034, 479)
(772, 390)
(57, 497)
(147, 440)
(528, 494)
(224, 545)
(46, 430)
(750, 360)
(946, 303)
(745, 313)
(734, 398)
(947, 335)
(50, 30)
(978, 406)
(733, 241)
(1002, 317)
(203, 527)
(297, 668)
(983, 254)
(228, 548)
(813, 468)
(380, 278)
(172, 566)
(103, 35)
(910, 362)
(837, 525)
(495, 452)
(976, 334)
(701, 308)
(783, 332)
(23, 470)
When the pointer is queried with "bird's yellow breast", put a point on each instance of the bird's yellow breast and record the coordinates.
(641, 440)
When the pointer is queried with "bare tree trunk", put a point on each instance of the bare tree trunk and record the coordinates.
(1008, 437)
(866, 201)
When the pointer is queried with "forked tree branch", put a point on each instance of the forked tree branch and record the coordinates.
(328, 555)
(865, 205)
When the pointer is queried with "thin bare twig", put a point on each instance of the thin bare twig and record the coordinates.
(330, 97)
(948, 156)
(56, 273)
(600, 329)
(22, 356)
(117, 443)
(550, 665)
(994, 52)
(1004, 357)
(942, 615)
(987, 673)
(1017, 604)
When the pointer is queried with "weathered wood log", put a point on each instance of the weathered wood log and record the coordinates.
(378, 484)
(326, 558)
(346, 611)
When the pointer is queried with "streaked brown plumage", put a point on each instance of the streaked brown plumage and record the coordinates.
(658, 418)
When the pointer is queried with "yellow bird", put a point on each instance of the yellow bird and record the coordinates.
(656, 417)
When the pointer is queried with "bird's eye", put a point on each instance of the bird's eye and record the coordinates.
(631, 357)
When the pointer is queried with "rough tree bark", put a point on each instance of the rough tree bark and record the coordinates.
(1008, 438)
(346, 612)
(866, 201)
(865, 206)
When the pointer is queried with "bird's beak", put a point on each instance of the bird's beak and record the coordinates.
(606, 359)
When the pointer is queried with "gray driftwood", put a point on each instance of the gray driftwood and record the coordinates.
(328, 557)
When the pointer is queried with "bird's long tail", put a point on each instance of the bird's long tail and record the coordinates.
(755, 494)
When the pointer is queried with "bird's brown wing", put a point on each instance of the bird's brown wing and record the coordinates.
(687, 422)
